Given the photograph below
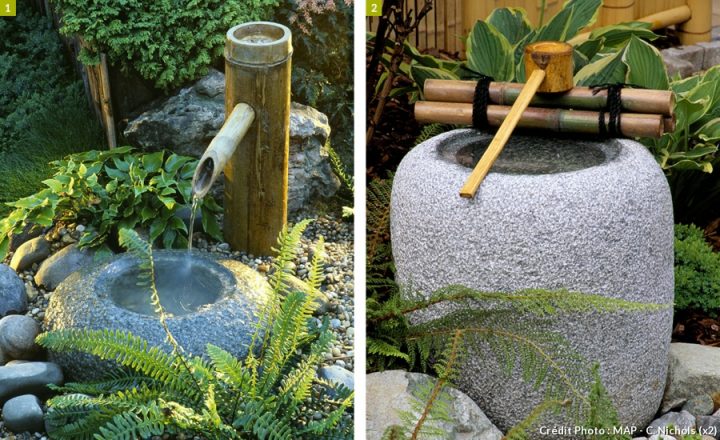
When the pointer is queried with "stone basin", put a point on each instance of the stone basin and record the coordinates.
(553, 213)
(207, 300)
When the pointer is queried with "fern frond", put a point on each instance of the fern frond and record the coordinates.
(129, 425)
(128, 351)
(521, 430)
(119, 380)
(316, 274)
(431, 130)
(378, 218)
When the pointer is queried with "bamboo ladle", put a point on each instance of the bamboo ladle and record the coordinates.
(549, 69)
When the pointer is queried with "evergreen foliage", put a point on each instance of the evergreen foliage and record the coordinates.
(168, 42)
(272, 394)
(697, 271)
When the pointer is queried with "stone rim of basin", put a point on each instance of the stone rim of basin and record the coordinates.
(523, 155)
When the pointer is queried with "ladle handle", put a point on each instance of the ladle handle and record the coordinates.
(502, 135)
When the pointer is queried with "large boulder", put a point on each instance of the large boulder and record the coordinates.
(12, 292)
(188, 121)
(694, 370)
(392, 393)
(554, 213)
(206, 301)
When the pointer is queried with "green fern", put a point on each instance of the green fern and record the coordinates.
(432, 130)
(272, 394)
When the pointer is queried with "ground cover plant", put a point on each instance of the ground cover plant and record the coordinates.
(272, 394)
(43, 111)
(115, 189)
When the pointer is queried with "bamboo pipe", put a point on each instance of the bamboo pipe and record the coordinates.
(549, 68)
(502, 93)
(221, 149)
(552, 119)
(698, 28)
(658, 20)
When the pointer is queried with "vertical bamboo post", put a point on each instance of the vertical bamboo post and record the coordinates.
(257, 68)
(616, 11)
(699, 27)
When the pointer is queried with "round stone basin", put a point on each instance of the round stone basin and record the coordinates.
(206, 300)
(554, 213)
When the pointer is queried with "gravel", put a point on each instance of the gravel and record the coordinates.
(337, 286)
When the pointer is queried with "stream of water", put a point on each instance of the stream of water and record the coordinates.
(193, 213)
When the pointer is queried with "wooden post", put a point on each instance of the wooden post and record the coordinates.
(698, 29)
(257, 68)
(549, 68)
(106, 103)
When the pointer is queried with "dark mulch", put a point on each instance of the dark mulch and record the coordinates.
(696, 328)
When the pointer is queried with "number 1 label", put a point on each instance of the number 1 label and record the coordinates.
(373, 8)
(7, 8)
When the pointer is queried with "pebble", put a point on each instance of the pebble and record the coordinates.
(335, 323)
(30, 253)
(699, 405)
(17, 336)
(23, 414)
(28, 378)
(13, 296)
(30, 291)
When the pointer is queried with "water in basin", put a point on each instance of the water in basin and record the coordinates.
(183, 286)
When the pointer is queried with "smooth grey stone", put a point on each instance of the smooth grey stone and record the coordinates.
(30, 252)
(701, 405)
(23, 414)
(188, 121)
(61, 264)
(12, 292)
(17, 337)
(390, 393)
(668, 406)
(337, 375)
(553, 213)
(709, 425)
(28, 378)
(693, 370)
(29, 231)
(84, 301)
(673, 423)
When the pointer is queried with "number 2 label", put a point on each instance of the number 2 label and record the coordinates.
(374, 8)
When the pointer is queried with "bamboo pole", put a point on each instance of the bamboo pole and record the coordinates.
(257, 66)
(551, 119)
(699, 27)
(616, 11)
(106, 103)
(658, 20)
(501, 93)
(549, 68)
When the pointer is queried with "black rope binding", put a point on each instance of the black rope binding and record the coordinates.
(613, 105)
(481, 99)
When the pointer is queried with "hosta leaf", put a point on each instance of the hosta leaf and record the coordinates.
(556, 29)
(645, 66)
(585, 13)
(152, 161)
(421, 73)
(607, 70)
(489, 52)
(616, 35)
(511, 22)
(695, 153)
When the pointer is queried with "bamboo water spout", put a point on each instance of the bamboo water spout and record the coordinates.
(221, 149)
(252, 147)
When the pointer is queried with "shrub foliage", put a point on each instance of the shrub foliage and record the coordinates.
(697, 271)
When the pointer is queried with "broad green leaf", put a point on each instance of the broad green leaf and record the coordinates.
(425, 60)
(685, 85)
(692, 165)
(421, 73)
(114, 173)
(44, 216)
(175, 162)
(710, 131)
(616, 35)
(645, 66)
(511, 22)
(590, 48)
(55, 185)
(696, 152)
(4, 245)
(556, 29)
(156, 228)
(177, 223)
(607, 70)
(585, 13)
(210, 224)
(489, 52)
(152, 161)
(121, 164)
(579, 61)
(169, 238)
(167, 201)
